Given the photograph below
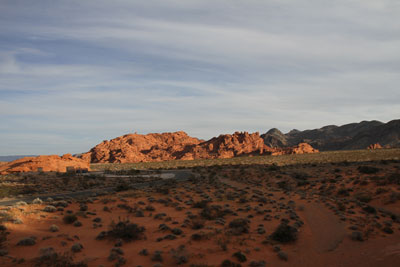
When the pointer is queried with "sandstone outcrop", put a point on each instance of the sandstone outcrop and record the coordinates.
(374, 146)
(302, 148)
(132, 148)
(44, 163)
(228, 146)
(141, 148)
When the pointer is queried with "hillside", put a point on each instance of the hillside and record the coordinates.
(345, 137)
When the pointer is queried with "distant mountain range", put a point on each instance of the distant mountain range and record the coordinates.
(12, 158)
(345, 137)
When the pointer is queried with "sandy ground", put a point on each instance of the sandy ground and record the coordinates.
(325, 219)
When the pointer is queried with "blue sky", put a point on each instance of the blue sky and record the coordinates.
(74, 73)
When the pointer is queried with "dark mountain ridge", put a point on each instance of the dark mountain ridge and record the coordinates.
(346, 137)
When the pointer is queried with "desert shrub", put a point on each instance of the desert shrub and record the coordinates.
(282, 255)
(197, 223)
(368, 169)
(212, 212)
(343, 192)
(77, 247)
(125, 230)
(228, 263)
(387, 230)
(162, 190)
(123, 186)
(300, 176)
(363, 197)
(3, 235)
(50, 258)
(200, 204)
(6, 217)
(77, 224)
(53, 228)
(144, 252)
(394, 178)
(239, 226)
(50, 208)
(284, 233)
(150, 208)
(341, 206)
(29, 241)
(258, 264)
(199, 236)
(283, 185)
(393, 197)
(180, 255)
(380, 190)
(369, 209)
(240, 256)
(273, 167)
(176, 231)
(357, 236)
(157, 256)
(69, 218)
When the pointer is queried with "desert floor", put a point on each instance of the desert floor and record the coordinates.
(333, 214)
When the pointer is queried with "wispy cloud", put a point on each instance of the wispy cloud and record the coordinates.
(73, 73)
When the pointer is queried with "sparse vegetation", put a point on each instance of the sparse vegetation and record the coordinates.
(50, 258)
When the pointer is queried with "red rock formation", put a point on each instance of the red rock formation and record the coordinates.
(44, 163)
(179, 146)
(302, 148)
(374, 146)
(141, 148)
(228, 146)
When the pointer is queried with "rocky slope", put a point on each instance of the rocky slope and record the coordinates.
(345, 137)
(180, 146)
(46, 163)
(141, 148)
(228, 146)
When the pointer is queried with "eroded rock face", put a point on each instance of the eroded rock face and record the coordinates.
(141, 148)
(374, 146)
(302, 148)
(44, 163)
(228, 146)
(179, 146)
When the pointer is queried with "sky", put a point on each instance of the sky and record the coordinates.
(75, 73)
